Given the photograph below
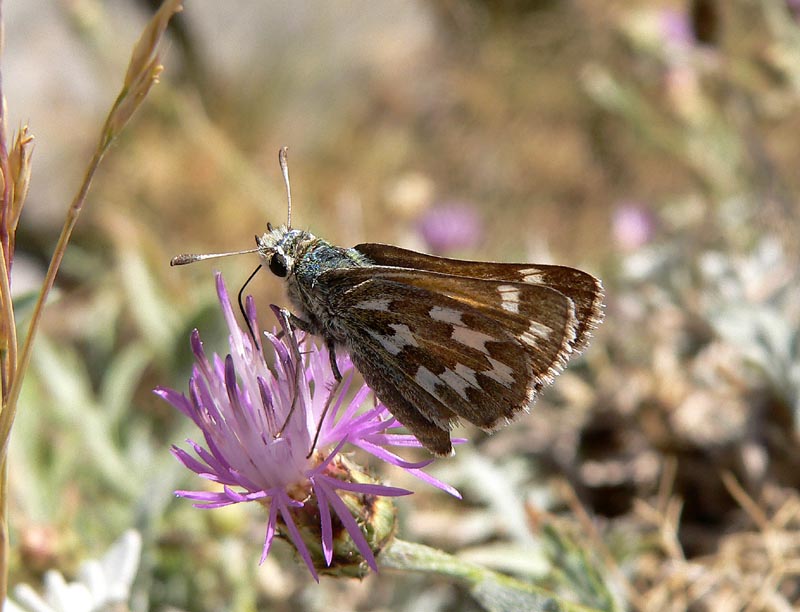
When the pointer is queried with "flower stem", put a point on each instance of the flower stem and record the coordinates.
(143, 71)
(4, 547)
(8, 414)
(17, 376)
(494, 591)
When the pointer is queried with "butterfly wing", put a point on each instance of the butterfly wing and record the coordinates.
(585, 291)
(437, 347)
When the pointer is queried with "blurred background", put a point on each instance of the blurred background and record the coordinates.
(654, 144)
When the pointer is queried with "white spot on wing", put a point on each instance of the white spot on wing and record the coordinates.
(460, 379)
(500, 372)
(532, 275)
(535, 332)
(467, 374)
(446, 315)
(427, 380)
(402, 337)
(404, 334)
(509, 296)
(472, 338)
(381, 305)
(455, 382)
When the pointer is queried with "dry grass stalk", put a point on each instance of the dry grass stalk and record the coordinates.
(143, 71)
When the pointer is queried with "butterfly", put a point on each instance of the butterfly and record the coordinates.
(438, 340)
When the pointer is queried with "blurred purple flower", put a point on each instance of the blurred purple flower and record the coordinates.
(676, 28)
(451, 226)
(632, 226)
(256, 444)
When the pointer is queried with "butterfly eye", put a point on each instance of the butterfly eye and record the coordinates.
(277, 265)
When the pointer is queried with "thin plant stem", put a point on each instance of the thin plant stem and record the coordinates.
(143, 71)
(4, 544)
(8, 332)
(8, 335)
(8, 414)
(18, 373)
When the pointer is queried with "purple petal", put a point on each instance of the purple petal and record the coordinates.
(202, 365)
(202, 495)
(251, 314)
(219, 467)
(190, 462)
(280, 314)
(178, 400)
(271, 522)
(319, 468)
(268, 406)
(403, 440)
(281, 352)
(235, 495)
(227, 309)
(344, 387)
(350, 524)
(252, 496)
(224, 473)
(213, 506)
(231, 386)
(435, 482)
(209, 501)
(358, 400)
(294, 535)
(203, 400)
(363, 488)
(325, 524)
(389, 457)
(219, 370)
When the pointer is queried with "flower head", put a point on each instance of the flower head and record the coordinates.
(259, 424)
(450, 227)
(633, 225)
(103, 583)
(676, 28)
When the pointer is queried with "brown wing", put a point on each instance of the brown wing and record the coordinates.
(583, 289)
(437, 347)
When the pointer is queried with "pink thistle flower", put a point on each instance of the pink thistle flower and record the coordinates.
(633, 225)
(257, 444)
(450, 227)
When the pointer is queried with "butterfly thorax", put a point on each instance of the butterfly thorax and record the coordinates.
(301, 258)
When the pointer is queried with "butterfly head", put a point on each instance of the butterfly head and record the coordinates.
(278, 248)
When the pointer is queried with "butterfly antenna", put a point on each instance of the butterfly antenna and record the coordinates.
(284, 162)
(187, 258)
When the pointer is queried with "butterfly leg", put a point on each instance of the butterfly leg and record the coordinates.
(333, 393)
(338, 376)
(294, 321)
(305, 326)
(332, 356)
(290, 321)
